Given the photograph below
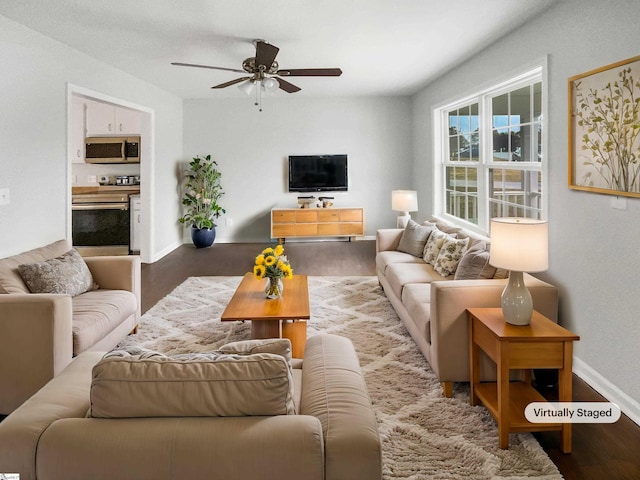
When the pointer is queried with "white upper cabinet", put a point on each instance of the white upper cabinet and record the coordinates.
(78, 116)
(107, 119)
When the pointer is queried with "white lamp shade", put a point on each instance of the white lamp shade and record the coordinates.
(246, 87)
(404, 200)
(270, 84)
(519, 244)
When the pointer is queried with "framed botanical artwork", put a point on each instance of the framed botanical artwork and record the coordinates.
(604, 129)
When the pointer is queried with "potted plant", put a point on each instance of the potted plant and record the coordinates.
(202, 190)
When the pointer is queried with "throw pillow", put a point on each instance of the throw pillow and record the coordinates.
(450, 255)
(67, 274)
(475, 263)
(414, 238)
(135, 382)
(278, 346)
(433, 246)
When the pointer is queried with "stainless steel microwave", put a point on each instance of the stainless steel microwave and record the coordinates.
(112, 150)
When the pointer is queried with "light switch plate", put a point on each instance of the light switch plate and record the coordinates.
(5, 198)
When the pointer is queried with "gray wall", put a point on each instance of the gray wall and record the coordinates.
(36, 73)
(593, 252)
(252, 148)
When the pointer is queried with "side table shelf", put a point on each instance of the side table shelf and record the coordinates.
(542, 344)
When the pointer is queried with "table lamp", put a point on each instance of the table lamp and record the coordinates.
(518, 245)
(404, 201)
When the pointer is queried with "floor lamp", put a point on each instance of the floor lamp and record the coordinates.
(518, 245)
(404, 201)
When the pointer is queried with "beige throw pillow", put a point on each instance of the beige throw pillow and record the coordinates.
(414, 238)
(277, 346)
(450, 255)
(433, 246)
(67, 274)
(135, 382)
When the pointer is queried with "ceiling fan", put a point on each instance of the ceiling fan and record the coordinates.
(265, 72)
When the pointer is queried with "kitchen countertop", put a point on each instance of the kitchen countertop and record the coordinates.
(127, 189)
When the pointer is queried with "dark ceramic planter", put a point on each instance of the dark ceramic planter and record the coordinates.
(203, 237)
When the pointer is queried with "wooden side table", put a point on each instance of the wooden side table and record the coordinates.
(541, 344)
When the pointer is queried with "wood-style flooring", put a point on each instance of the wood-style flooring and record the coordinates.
(600, 451)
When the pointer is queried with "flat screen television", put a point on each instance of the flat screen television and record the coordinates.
(318, 173)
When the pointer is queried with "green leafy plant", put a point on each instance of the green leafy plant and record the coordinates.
(611, 118)
(202, 190)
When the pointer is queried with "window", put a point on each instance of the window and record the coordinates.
(489, 161)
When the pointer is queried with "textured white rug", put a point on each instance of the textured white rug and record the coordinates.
(424, 435)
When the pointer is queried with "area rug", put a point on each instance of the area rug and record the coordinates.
(424, 435)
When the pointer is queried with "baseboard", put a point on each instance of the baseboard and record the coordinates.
(604, 387)
(165, 251)
(187, 240)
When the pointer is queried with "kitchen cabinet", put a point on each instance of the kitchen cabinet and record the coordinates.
(78, 130)
(108, 119)
(136, 223)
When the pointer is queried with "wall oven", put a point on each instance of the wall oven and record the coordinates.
(101, 223)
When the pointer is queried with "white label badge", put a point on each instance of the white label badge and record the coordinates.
(572, 412)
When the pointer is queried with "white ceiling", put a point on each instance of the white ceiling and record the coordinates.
(384, 47)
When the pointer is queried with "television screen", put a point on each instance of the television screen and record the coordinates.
(318, 173)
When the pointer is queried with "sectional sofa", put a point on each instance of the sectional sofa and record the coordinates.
(431, 273)
(246, 412)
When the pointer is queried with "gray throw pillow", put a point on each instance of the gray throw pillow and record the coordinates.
(475, 263)
(414, 238)
(67, 274)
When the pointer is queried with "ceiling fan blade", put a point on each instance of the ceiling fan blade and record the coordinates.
(288, 87)
(265, 54)
(179, 64)
(232, 82)
(310, 72)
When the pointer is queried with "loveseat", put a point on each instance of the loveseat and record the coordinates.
(431, 273)
(41, 332)
(296, 419)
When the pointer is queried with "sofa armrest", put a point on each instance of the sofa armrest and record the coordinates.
(117, 273)
(450, 324)
(335, 392)
(388, 239)
(66, 396)
(36, 344)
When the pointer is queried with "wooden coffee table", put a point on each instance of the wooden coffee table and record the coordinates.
(284, 317)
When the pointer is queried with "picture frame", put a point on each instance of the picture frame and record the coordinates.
(604, 129)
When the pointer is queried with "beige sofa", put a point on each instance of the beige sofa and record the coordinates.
(433, 307)
(41, 332)
(332, 436)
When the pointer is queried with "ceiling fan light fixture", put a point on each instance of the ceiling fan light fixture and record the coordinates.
(270, 84)
(246, 87)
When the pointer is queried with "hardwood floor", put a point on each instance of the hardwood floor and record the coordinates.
(599, 450)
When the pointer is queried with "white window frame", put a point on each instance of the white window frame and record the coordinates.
(536, 72)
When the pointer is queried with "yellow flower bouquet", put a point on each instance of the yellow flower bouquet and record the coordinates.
(273, 264)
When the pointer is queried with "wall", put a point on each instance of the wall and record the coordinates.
(36, 73)
(593, 254)
(252, 148)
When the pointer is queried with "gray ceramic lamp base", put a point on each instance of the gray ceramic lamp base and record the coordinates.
(517, 305)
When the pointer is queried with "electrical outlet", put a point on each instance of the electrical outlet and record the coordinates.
(5, 199)
(228, 222)
(92, 179)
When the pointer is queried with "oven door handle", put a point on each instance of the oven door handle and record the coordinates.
(101, 206)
